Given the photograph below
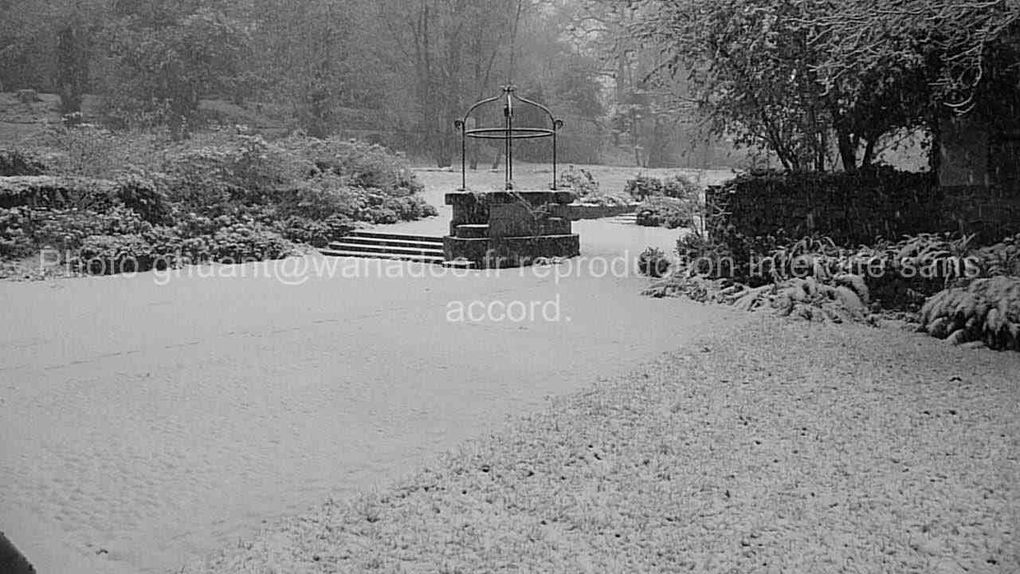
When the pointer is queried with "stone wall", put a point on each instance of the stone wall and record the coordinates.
(579, 211)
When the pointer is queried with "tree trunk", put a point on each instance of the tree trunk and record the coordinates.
(847, 151)
(72, 69)
(935, 152)
(869, 152)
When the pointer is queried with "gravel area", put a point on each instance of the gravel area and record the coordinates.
(768, 446)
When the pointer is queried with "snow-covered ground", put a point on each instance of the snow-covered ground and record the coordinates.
(148, 420)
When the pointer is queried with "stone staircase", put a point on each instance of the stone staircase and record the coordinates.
(624, 219)
(399, 246)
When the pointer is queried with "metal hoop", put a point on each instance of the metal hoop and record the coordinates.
(512, 133)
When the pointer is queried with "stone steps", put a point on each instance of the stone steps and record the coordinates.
(392, 246)
(623, 219)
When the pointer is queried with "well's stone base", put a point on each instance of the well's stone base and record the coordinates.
(503, 252)
(509, 228)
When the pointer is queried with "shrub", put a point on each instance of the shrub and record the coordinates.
(898, 275)
(903, 274)
(246, 242)
(57, 192)
(605, 199)
(409, 208)
(317, 233)
(679, 187)
(25, 230)
(676, 186)
(98, 195)
(14, 162)
(169, 249)
(320, 197)
(231, 171)
(141, 194)
(580, 181)
(234, 197)
(840, 301)
(69, 229)
(700, 255)
(85, 150)
(114, 254)
(653, 262)
(16, 240)
(643, 187)
(301, 177)
(986, 310)
(666, 212)
(1002, 258)
(163, 247)
(359, 164)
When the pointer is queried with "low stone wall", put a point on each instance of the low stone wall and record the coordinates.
(578, 211)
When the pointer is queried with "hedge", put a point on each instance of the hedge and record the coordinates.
(850, 208)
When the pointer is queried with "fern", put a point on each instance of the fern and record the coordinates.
(987, 310)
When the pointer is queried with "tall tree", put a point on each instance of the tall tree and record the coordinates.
(449, 51)
(160, 62)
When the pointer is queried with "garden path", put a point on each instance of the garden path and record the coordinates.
(148, 420)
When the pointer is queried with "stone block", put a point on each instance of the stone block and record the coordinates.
(511, 251)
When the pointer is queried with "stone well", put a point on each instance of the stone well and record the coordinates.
(510, 228)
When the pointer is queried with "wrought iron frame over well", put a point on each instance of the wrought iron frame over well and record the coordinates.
(507, 133)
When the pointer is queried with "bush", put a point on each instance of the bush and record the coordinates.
(241, 242)
(163, 247)
(320, 197)
(586, 187)
(643, 187)
(244, 235)
(580, 181)
(842, 300)
(680, 187)
(86, 150)
(25, 230)
(899, 275)
(666, 212)
(14, 162)
(653, 262)
(57, 192)
(1002, 258)
(986, 310)
(233, 171)
(317, 233)
(16, 241)
(141, 194)
(676, 186)
(916, 267)
(300, 177)
(700, 255)
(220, 197)
(114, 254)
(409, 208)
(359, 164)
